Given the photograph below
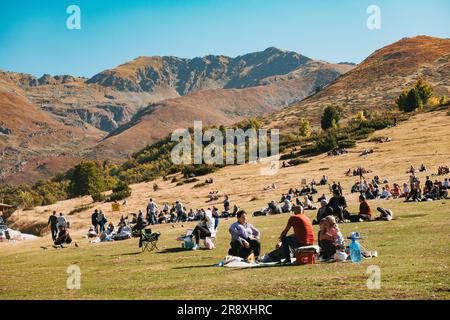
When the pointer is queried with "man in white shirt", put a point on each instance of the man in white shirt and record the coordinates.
(61, 221)
(151, 212)
(179, 209)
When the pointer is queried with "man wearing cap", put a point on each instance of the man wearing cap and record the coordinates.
(303, 233)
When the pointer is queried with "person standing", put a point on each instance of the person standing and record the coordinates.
(303, 233)
(61, 221)
(226, 204)
(94, 220)
(151, 212)
(179, 209)
(53, 222)
(101, 220)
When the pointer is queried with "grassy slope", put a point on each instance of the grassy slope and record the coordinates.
(413, 249)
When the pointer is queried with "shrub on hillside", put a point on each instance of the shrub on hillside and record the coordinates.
(87, 178)
(331, 117)
(296, 162)
(198, 170)
(416, 97)
(121, 191)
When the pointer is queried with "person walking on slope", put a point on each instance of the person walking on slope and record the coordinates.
(53, 223)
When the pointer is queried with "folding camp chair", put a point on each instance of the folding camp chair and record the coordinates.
(148, 240)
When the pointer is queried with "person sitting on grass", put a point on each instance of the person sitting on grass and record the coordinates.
(385, 194)
(415, 193)
(396, 192)
(338, 204)
(321, 212)
(365, 213)
(140, 223)
(330, 238)
(244, 238)
(91, 233)
(63, 237)
(110, 229)
(405, 192)
(203, 229)
(307, 204)
(322, 197)
(287, 206)
(303, 233)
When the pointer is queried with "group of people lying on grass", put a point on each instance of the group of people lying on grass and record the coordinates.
(245, 238)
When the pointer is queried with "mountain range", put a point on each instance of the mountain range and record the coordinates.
(50, 123)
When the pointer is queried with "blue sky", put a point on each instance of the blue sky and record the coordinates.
(34, 37)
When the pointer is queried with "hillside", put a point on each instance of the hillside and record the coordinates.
(31, 140)
(219, 107)
(244, 182)
(376, 82)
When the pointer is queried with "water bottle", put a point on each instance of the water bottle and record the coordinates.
(355, 251)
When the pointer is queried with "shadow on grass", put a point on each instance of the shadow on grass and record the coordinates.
(172, 250)
(128, 254)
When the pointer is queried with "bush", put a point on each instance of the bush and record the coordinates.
(120, 195)
(80, 209)
(98, 197)
(330, 117)
(121, 191)
(191, 180)
(416, 97)
(199, 170)
(296, 162)
(88, 178)
(347, 143)
(199, 185)
(288, 156)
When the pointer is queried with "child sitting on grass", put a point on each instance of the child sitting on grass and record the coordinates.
(330, 238)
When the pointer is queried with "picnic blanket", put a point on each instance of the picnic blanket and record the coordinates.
(238, 262)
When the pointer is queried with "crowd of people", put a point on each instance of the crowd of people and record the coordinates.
(245, 238)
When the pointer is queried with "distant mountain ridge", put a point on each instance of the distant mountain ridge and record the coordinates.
(118, 111)
(209, 72)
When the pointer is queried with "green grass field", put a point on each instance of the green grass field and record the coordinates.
(414, 256)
